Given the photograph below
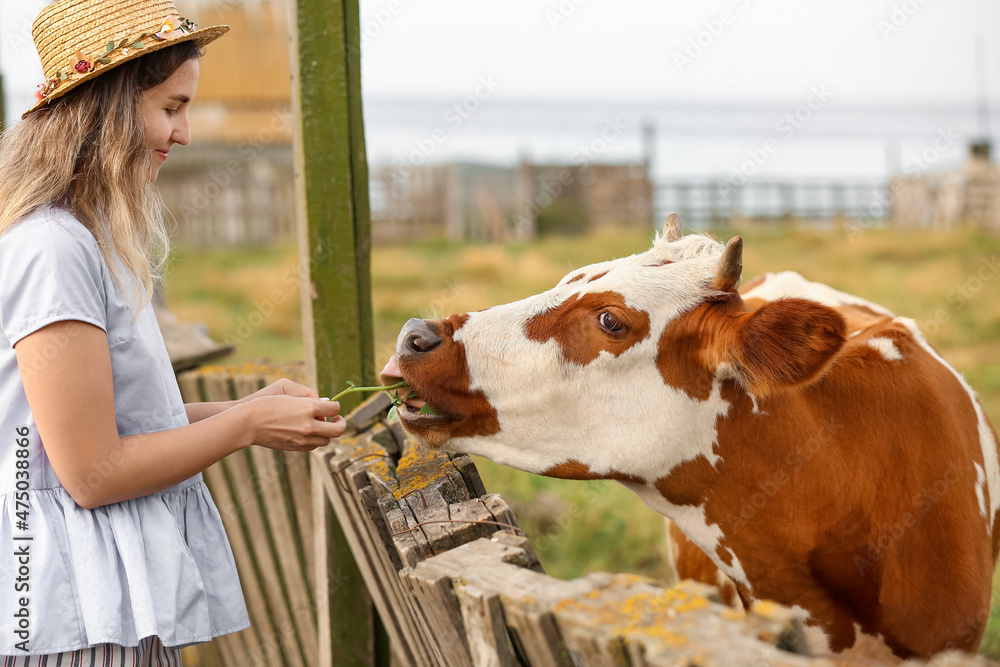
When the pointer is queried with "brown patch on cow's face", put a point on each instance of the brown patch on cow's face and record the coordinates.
(573, 469)
(442, 379)
(662, 262)
(586, 325)
(575, 278)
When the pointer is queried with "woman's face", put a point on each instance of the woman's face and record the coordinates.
(164, 111)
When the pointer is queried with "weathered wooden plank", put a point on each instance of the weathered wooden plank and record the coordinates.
(260, 618)
(429, 506)
(277, 516)
(384, 538)
(537, 636)
(373, 408)
(321, 508)
(263, 551)
(439, 605)
(482, 613)
(364, 549)
(296, 480)
(187, 382)
(471, 475)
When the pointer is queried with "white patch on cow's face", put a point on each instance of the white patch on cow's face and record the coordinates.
(605, 413)
(791, 284)
(986, 439)
(885, 347)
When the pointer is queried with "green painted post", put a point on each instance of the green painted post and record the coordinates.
(334, 248)
(332, 182)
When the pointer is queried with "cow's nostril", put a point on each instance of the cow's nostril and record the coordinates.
(418, 337)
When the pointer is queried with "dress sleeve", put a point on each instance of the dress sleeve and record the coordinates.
(50, 270)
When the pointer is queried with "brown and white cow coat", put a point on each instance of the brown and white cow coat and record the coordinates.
(811, 444)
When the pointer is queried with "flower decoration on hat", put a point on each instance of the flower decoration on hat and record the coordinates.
(81, 64)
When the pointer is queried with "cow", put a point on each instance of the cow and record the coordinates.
(807, 444)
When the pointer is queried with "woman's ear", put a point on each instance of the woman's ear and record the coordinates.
(787, 342)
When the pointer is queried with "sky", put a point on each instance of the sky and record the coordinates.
(866, 51)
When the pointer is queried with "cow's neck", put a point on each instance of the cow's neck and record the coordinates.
(738, 509)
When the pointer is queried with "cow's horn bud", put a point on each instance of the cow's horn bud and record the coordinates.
(672, 227)
(730, 266)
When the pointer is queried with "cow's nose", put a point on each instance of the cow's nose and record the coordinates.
(417, 338)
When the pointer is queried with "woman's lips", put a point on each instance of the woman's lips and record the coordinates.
(162, 154)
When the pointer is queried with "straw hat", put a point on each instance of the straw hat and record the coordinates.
(78, 40)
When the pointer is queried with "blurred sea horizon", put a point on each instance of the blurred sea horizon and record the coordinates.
(816, 137)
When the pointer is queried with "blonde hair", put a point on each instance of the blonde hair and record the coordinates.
(86, 153)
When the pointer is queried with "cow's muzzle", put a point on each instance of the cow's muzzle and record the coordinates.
(418, 338)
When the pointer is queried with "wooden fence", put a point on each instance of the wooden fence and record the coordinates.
(716, 201)
(454, 580)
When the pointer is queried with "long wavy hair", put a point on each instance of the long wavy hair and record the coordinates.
(86, 153)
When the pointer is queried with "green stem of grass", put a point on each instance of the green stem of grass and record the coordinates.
(368, 389)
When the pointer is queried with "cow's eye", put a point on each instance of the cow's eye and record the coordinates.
(610, 324)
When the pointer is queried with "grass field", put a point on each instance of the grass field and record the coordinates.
(947, 282)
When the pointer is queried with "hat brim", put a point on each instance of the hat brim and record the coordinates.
(202, 37)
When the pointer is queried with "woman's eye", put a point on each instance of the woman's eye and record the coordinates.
(610, 324)
(171, 112)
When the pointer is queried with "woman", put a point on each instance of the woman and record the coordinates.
(118, 549)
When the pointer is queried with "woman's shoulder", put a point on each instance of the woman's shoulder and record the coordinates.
(50, 227)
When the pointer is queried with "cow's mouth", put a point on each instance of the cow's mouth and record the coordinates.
(413, 409)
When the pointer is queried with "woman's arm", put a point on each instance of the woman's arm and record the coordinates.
(198, 411)
(71, 395)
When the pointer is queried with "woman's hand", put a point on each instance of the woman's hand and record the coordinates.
(292, 423)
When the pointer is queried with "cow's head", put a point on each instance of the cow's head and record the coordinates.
(617, 371)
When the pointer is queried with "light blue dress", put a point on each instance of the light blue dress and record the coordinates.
(157, 565)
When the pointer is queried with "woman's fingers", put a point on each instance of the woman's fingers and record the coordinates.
(290, 388)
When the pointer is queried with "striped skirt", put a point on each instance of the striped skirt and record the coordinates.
(149, 653)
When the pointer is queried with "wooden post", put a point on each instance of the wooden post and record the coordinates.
(334, 248)
(332, 192)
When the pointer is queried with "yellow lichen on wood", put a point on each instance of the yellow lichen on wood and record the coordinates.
(418, 468)
(737, 615)
(769, 610)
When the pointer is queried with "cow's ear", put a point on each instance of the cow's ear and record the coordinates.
(788, 342)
